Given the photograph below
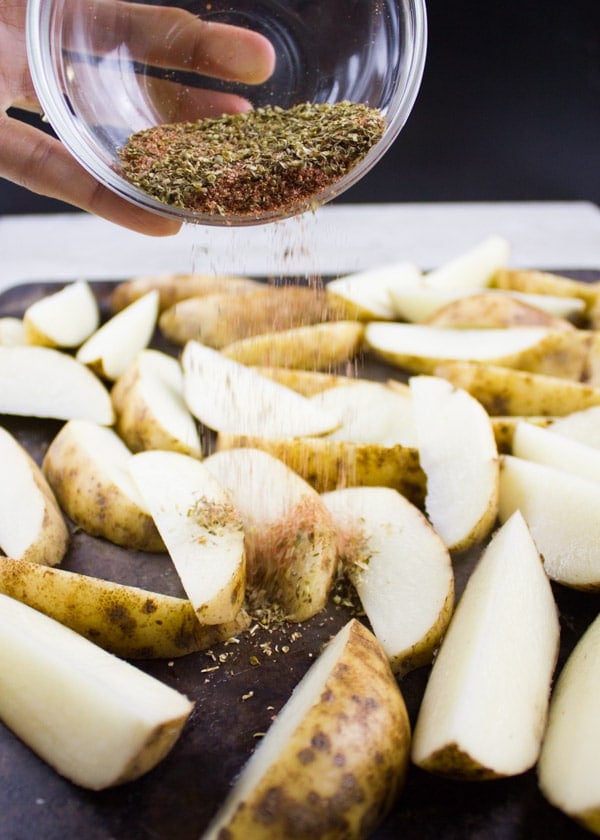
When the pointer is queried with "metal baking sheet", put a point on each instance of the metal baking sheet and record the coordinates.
(235, 700)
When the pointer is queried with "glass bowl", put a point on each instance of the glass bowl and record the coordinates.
(96, 67)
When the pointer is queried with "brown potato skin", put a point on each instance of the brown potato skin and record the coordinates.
(175, 287)
(494, 312)
(345, 764)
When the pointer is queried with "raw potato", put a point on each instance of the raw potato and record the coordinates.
(545, 283)
(494, 311)
(427, 304)
(130, 622)
(504, 429)
(543, 447)
(229, 397)
(316, 347)
(220, 319)
(32, 526)
(371, 412)
(400, 569)
(458, 454)
(306, 382)
(151, 412)
(485, 704)
(561, 510)
(290, 537)
(420, 348)
(582, 426)
(96, 719)
(113, 347)
(328, 464)
(86, 466)
(65, 318)
(365, 295)
(334, 760)
(473, 268)
(42, 382)
(200, 527)
(172, 288)
(12, 331)
(506, 391)
(568, 769)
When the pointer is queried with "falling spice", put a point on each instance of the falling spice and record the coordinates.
(258, 162)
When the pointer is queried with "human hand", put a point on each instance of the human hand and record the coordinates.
(40, 163)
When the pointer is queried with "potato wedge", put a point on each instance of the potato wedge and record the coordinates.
(290, 538)
(64, 318)
(306, 382)
(96, 719)
(32, 526)
(365, 295)
(128, 621)
(506, 391)
(400, 569)
(43, 382)
(12, 331)
(485, 704)
(568, 766)
(326, 769)
(494, 311)
(200, 527)
(220, 319)
(420, 348)
(86, 467)
(371, 412)
(458, 454)
(172, 288)
(582, 426)
(150, 408)
(328, 464)
(544, 283)
(229, 397)
(504, 429)
(561, 510)
(316, 347)
(543, 447)
(473, 268)
(112, 347)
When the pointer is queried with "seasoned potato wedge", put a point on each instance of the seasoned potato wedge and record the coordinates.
(544, 283)
(316, 347)
(220, 319)
(172, 288)
(494, 311)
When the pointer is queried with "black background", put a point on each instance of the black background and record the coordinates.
(509, 109)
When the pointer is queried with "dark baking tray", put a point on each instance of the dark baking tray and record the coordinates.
(177, 799)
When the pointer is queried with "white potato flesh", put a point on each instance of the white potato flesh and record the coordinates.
(12, 331)
(32, 526)
(370, 412)
(227, 396)
(65, 318)
(485, 704)
(95, 718)
(569, 765)
(42, 382)
(473, 268)
(458, 453)
(542, 446)
(400, 568)
(369, 291)
(200, 527)
(421, 348)
(561, 510)
(113, 346)
(582, 426)
(152, 413)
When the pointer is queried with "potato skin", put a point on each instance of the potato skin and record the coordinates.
(96, 505)
(343, 767)
(175, 287)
